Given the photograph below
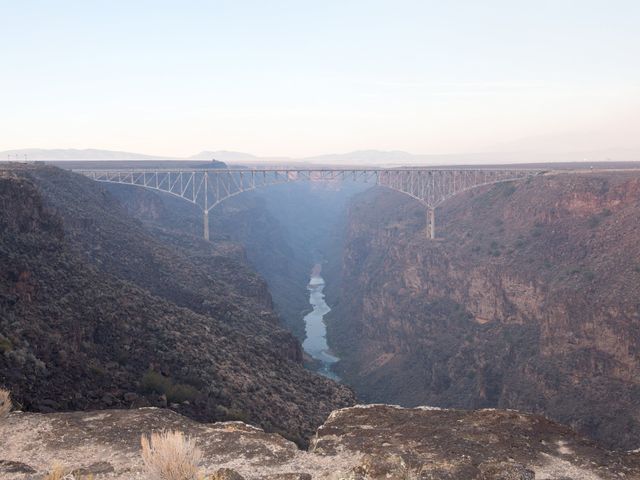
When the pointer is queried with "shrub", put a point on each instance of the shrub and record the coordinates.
(494, 249)
(594, 221)
(171, 456)
(5, 403)
(5, 344)
(520, 242)
(537, 229)
(59, 472)
(181, 393)
(508, 189)
(153, 381)
(235, 414)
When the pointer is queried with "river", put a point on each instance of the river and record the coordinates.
(315, 343)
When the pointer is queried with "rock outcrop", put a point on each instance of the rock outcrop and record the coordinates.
(528, 301)
(364, 442)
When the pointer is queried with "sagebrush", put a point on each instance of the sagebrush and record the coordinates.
(171, 456)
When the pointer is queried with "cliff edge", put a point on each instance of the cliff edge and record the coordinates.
(365, 442)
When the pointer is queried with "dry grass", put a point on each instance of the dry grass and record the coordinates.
(59, 472)
(5, 403)
(171, 456)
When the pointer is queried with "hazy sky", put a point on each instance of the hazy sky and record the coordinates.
(304, 77)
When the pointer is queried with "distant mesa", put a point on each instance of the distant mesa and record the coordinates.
(32, 154)
(497, 156)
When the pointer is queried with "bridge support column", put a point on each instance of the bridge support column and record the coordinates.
(206, 225)
(431, 223)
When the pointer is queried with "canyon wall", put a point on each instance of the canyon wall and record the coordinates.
(284, 230)
(98, 310)
(528, 300)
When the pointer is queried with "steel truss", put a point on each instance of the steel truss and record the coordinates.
(209, 188)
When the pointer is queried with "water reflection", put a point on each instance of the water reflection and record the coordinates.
(316, 342)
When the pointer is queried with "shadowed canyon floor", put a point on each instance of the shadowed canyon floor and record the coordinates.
(372, 441)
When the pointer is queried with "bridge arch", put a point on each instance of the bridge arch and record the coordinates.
(208, 188)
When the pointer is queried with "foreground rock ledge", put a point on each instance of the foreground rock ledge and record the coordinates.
(371, 441)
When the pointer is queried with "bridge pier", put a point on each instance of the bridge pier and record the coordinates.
(431, 223)
(206, 225)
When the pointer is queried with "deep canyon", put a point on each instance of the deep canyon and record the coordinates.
(528, 300)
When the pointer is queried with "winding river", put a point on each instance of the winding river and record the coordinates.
(315, 343)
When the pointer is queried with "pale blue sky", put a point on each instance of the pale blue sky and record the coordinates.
(309, 77)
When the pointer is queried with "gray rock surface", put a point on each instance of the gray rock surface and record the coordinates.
(373, 441)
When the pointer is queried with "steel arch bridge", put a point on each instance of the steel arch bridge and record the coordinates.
(208, 188)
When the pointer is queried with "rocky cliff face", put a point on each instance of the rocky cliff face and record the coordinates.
(284, 230)
(97, 311)
(364, 442)
(528, 301)
(245, 221)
